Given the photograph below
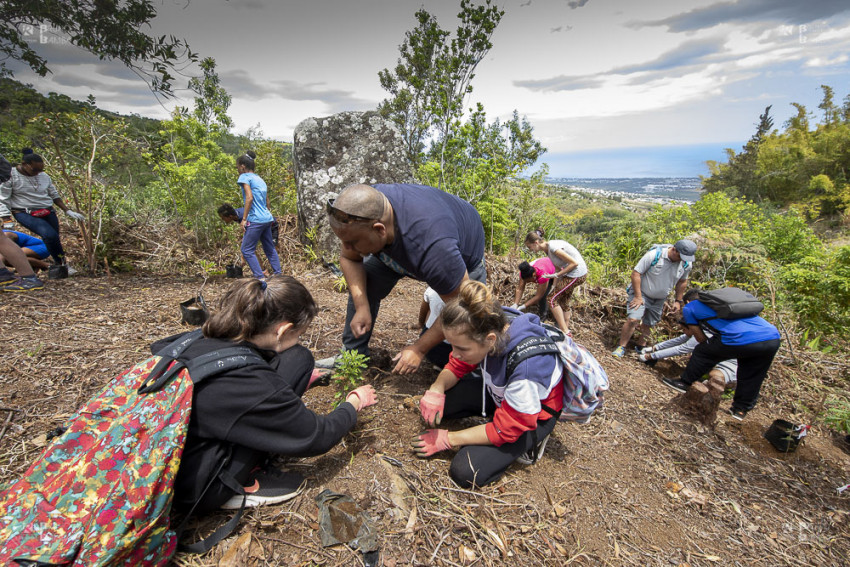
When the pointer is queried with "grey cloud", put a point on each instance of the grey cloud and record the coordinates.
(135, 94)
(674, 62)
(241, 85)
(750, 11)
(573, 4)
(562, 83)
(560, 29)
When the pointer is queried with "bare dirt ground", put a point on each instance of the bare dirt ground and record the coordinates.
(642, 484)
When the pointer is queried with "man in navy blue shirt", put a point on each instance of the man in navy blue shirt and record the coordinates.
(393, 231)
(752, 340)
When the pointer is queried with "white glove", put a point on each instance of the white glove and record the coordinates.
(647, 350)
(514, 306)
(75, 215)
(549, 276)
(520, 308)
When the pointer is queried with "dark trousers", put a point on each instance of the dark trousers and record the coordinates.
(754, 360)
(380, 281)
(480, 465)
(202, 457)
(48, 229)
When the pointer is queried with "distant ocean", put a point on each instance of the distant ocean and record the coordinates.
(660, 189)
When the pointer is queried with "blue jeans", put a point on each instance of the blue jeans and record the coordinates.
(48, 229)
(261, 233)
(380, 281)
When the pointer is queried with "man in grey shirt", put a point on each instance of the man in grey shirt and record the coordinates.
(661, 269)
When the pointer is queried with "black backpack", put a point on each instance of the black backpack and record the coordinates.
(731, 303)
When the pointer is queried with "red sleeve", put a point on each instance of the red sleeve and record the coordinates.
(457, 367)
(509, 424)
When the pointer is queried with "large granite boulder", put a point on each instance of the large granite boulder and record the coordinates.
(332, 153)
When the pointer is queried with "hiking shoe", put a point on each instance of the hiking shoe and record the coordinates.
(28, 283)
(531, 457)
(269, 487)
(327, 363)
(57, 272)
(676, 384)
(6, 277)
(738, 414)
(619, 352)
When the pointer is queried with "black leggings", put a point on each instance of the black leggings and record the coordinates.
(480, 465)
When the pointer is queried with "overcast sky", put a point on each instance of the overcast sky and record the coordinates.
(601, 81)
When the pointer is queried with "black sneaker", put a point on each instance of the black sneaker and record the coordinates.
(6, 277)
(738, 414)
(531, 457)
(57, 272)
(269, 487)
(676, 384)
(28, 283)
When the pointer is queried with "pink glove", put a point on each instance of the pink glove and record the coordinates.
(430, 442)
(366, 394)
(431, 407)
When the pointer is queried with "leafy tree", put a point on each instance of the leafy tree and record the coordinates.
(109, 29)
(196, 174)
(83, 149)
(434, 74)
(738, 177)
(412, 84)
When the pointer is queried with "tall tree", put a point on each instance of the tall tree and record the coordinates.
(110, 29)
(434, 74)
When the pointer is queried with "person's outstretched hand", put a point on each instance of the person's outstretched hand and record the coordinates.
(549, 276)
(407, 361)
(431, 407)
(75, 215)
(365, 395)
(430, 442)
(521, 307)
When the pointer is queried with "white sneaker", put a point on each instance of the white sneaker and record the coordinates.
(71, 271)
(328, 362)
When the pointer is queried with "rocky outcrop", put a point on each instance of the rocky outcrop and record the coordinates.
(332, 153)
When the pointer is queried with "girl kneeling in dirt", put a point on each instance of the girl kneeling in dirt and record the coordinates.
(524, 406)
(256, 411)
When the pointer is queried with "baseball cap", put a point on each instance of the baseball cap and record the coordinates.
(686, 249)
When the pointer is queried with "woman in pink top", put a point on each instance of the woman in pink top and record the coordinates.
(571, 272)
(535, 272)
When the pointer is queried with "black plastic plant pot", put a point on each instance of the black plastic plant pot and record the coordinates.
(194, 311)
(782, 436)
(233, 271)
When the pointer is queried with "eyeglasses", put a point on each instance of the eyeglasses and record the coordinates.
(343, 217)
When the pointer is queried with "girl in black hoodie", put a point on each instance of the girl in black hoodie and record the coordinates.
(244, 416)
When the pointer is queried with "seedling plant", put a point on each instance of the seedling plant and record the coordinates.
(348, 373)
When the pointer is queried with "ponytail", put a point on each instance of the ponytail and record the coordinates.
(251, 307)
(476, 313)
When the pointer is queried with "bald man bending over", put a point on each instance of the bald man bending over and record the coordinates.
(388, 232)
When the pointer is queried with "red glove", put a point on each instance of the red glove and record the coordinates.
(366, 394)
(431, 407)
(430, 442)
